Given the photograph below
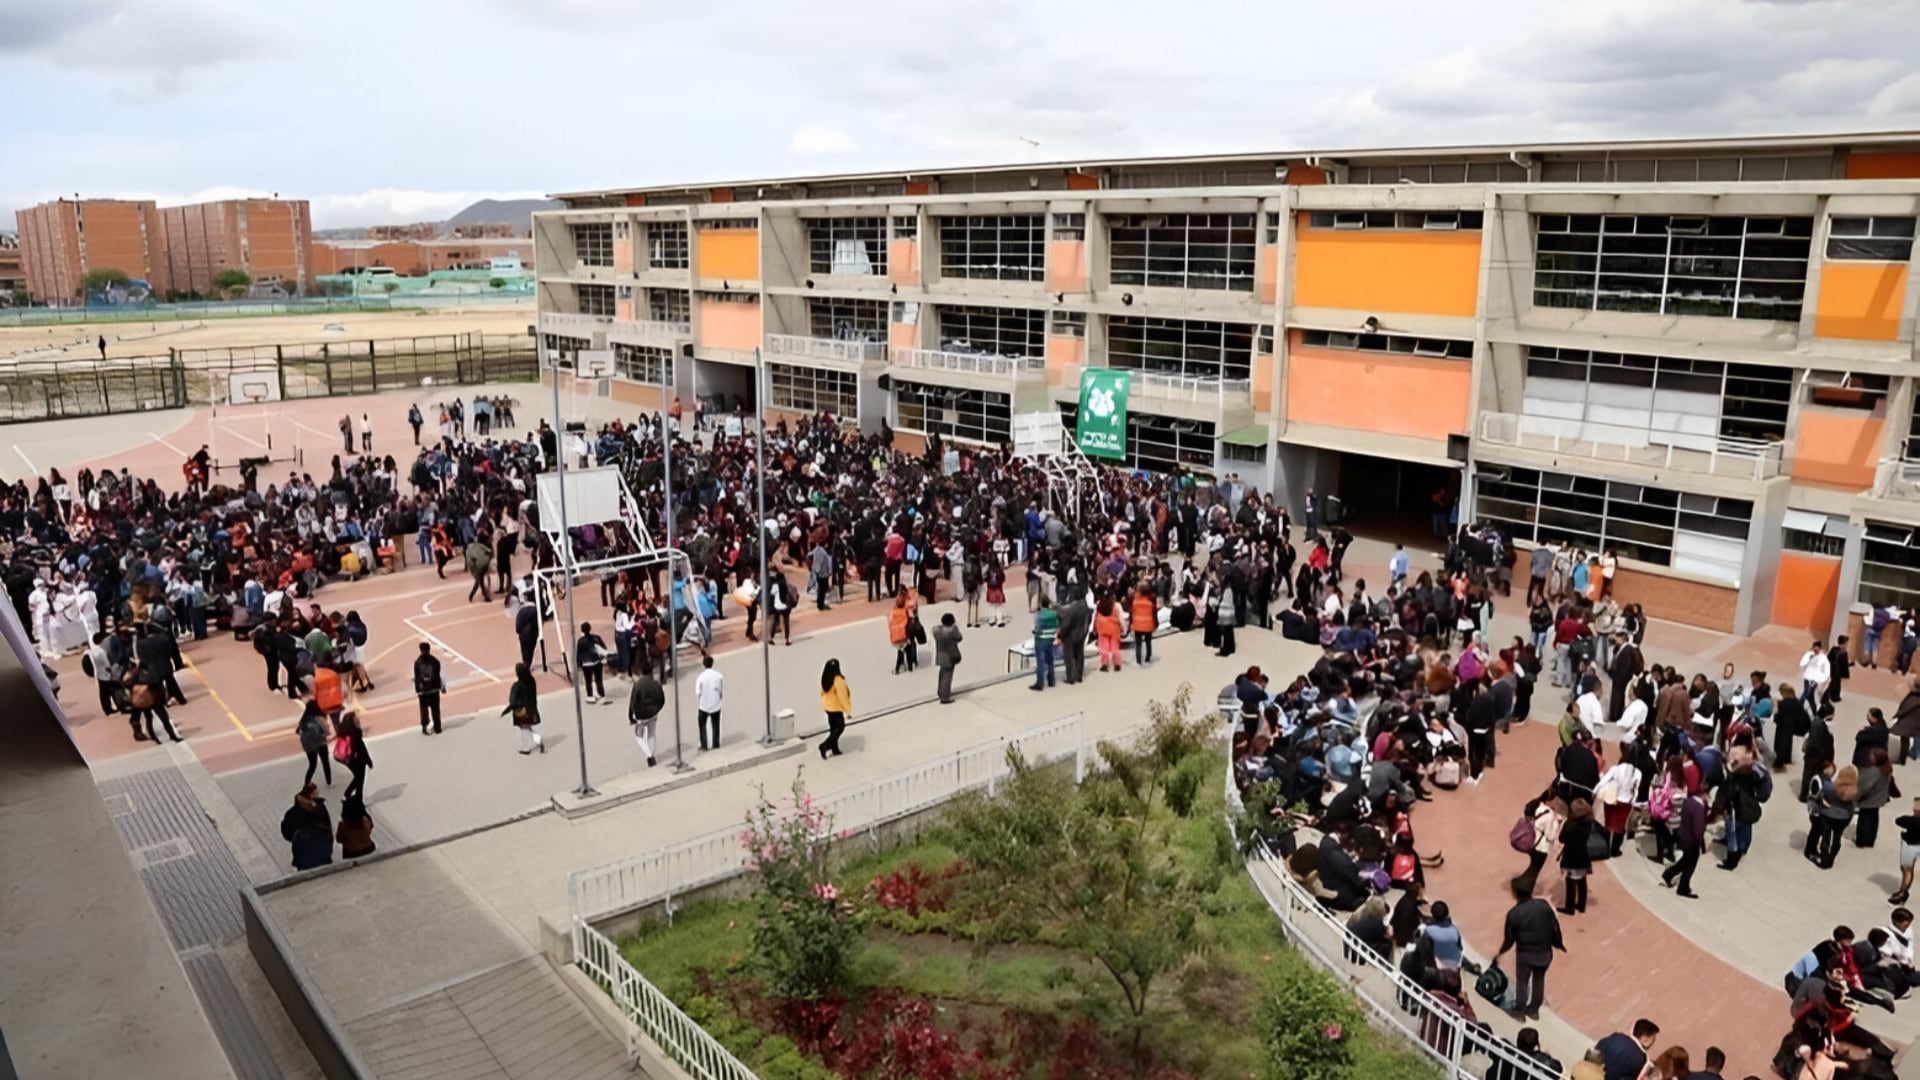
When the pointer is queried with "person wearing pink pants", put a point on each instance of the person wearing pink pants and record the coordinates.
(1106, 629)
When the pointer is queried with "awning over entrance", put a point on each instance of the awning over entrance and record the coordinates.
(1251, 435)
(1370, 443)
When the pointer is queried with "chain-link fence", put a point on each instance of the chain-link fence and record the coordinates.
(56, 389)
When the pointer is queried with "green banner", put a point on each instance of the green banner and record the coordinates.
(1101, 425)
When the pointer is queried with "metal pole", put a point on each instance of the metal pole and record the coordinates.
(585, 790)
(760, 524)
(673, 627)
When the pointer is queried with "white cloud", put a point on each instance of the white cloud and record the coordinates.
(816, 139)
(147, 50)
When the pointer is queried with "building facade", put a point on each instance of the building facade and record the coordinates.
(177, 249)
(1698, 355)
(415, 257)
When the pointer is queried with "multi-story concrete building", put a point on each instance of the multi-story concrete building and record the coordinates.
(175, 249)
(419, 256)
(1699, 355)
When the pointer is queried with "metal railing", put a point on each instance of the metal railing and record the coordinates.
(1195, 388)
(651, 1012)
(837, 350)
(968, 363)
(1396, 1002)
(618, 887)
(1746, 459)
(659, 329)
(568, 322)
(1897, 478)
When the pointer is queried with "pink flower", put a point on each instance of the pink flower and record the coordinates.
(1334, 1032)
(826, 892)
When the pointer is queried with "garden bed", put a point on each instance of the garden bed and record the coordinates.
(943, 968)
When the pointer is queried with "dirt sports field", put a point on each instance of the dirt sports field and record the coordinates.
(81, 340)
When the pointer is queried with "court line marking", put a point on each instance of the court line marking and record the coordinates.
(162, 440)
(317, 431)
(217, 699)
(32, 469)
(404, 642)
(225, 429)
(450, 650)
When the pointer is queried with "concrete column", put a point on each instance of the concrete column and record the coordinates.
(1849, 576)
(1760, 567)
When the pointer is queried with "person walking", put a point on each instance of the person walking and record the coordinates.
(1146, 620)
(1576, 859)
(709, 694)
(1815, 669)
(526, 627)
(1076, 619)
(523, 705)
(479, 557)
(414, 420)
(1046, 630)
(590, 653)
(366, 434)
(153, 667)
(1906, 721)
(312, 731)
(644, 703)
(309, 829)
(1106, 631)
(350, 738)
(1909, 826)
(946, 655)
(1691, 832)
(1840, 669)
(900, 632)
(1877, 788)
(1619, 787)
(836, 700)
(1532, 933)
(820, 572)
(1790, 721)
(346, 432)
(1830, 798)
(429, 682)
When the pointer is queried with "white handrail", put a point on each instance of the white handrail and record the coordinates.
(1441, 1033)
(845, 351)
(972, 363)
(1186, 387)
(651, 1013)
(615, 888)
(1718, 455)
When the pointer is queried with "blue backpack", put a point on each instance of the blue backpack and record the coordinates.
(1762, 782)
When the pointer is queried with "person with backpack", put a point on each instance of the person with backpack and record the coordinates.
(351, 651)
(479, 558)
(429, 682)
(313, 731)
(1534, 836)
(350, 749)
(780, 608)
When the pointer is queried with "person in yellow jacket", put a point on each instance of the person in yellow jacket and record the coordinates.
(837, 702)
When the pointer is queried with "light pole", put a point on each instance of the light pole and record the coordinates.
(673, 626)
(585, 790)
(760, 523)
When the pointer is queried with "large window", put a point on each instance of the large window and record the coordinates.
(1381, 220)
(1890, 565)
(1005, 247)
(1014, 332)
(643, 363)
(595, 299)
(847, 320)
(814, 390)
(1913, 433)
(976, 416)
(667, 245)
(1188, 347)
(1438, 348)
(847, 245)
(1732, 267)
(1671, 401)
(1158, 443)
(668, 305)
(1879, 239)
(593, 243)
(564, 345)
(1182, 251)
(1699, 534)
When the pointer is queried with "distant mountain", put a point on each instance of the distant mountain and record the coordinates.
(513, 212)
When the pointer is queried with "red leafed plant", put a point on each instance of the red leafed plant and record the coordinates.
(913, 890)
(898, 1040)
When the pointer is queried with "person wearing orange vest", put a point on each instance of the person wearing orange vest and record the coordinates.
(899, 633)
(1146, 619)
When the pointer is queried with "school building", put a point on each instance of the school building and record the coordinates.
(1698, 354)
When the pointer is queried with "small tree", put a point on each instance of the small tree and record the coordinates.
(105, 277)
(496, 283)
(1308, 1023)
(391, 287)
(232, 283)
(805, 932)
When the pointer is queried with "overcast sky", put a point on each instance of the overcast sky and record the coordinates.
(405, 110)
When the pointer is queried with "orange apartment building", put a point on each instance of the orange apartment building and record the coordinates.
(1698, 354)
(414, 257)
(175, 249)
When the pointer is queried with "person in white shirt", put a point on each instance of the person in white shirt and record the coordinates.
(709, 691)
(1814, 670)
(1619, 787)
(1609, 565)
(1397, 566)
(1592, 712)
(1632, 718)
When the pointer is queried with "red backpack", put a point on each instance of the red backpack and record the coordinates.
(1521, 835)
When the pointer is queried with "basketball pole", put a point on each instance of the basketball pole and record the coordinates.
(585, 790)
(673, 628)
(760, 525)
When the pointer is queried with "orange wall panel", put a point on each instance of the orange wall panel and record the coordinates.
(1306, 175)
(1063, 353)
(1861, 300)
(728, 255)
(919, 187)
(1263, 382)
(903, 336)
(1067, 266)
(1883, 166)
(730, 326)
(622, 253)
(1397, 395)
(623, 309)
(1419, 273)
(903, 262)
(1837, 449)
(1269, 275)
(1079, 181)
(1805, 592)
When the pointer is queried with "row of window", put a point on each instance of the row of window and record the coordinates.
(1662, 393)
(1444, 348)
(643, 363)
(1410, 220)
(1159, 443)
(979, 416)
(1727, 266)
(804, 389)
(1699, 534)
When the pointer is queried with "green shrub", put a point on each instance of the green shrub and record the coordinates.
(1183, 783)
(1309, 1024)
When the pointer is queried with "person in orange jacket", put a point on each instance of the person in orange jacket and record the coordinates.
(1146, 619)
(900, 634)
(1106, 631)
